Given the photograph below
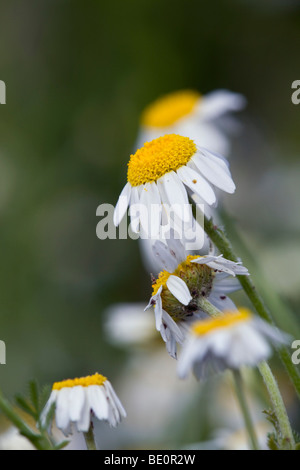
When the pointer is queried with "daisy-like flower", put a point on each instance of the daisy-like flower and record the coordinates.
(187, 286)
(235, 339)
(79, 400)
(164, 172)
(187, 112)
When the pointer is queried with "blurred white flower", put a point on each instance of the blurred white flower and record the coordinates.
(230, 341)
(11, 439)
(128, 324)
(199, 117)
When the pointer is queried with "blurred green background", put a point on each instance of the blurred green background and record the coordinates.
(78, 75)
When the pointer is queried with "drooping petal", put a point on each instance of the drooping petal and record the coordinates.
(134, 211)
(77, 398)
(218, 102)
(197, 184)
(214, 172)
(151, 209)
(98, 402)
(179, 289)
(122, 204)
(163, 254)
(222, 302)
(63, 409)
(176, 195)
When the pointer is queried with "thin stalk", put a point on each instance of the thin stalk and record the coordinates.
(214, 312)
(274, 393)
(278, 405)
(238, 382)
(90, 439)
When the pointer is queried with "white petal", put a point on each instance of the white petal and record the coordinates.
(214, 172)
(163, 254)
(98, 401)
(133, 209)
(218, 102)
(63, 409)
(173, 328)
(197, 184)
(151, 210)
(122, 204)
(225, 284)
(158, 311)
(176, 248)
(222, 302)
(248, 347)
(218, 158)
(77, 398)
(176, 195)
(84, 422)
(51, 400)
(179, 289)
(153, 299)
(116, 399)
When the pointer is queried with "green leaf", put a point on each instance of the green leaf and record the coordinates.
(34, 395)
(25, 406)
(272, 442)
(61, 445)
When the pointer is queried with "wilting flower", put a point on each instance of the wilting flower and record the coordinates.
(164, 172)
(79, 400)
(235, 339)
(186, 282)
(202, 118)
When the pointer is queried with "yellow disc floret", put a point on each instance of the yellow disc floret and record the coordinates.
(230, 318)
(170, 108)
(158, 157)
(96, 379)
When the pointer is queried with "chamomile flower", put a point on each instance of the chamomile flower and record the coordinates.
(185, 284)
(79, 400)
(199, 117)
(235, 339)
(164, 172)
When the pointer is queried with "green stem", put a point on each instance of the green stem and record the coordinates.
(278, 405)
(223, 244)
(39, 441)
(284, 317)
(90, 439)
(208, 308)
(274, 393)
(245, 409)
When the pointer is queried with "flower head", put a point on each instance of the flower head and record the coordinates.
(164, 172)
(187, 112)
(79, 400)
(235, 339)
(182, 286)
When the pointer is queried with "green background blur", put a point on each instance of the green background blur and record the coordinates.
(78, 74)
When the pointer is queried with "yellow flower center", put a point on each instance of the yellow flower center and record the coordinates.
(230, 318)
(158, 157)
(96, 379)
(170, 108)
(164, 275)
